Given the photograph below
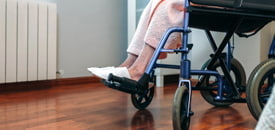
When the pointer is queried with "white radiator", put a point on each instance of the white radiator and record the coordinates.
(28, 49)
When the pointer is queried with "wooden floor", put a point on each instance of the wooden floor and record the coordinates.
(95, 107)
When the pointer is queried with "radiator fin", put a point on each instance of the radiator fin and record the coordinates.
(28, 32)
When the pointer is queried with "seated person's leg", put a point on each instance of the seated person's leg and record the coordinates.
(137, 42)
(150, 30)
(131, 58)
(139, 66)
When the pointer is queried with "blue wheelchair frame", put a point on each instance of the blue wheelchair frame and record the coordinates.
(225, 83)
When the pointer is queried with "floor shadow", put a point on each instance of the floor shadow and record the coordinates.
(220, 116)
(143, 119)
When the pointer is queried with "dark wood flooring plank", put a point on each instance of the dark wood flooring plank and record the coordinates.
(96, 107)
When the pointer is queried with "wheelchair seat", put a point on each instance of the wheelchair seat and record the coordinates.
(251, 14)
(263, 5)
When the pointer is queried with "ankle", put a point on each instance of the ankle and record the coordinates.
(129, 61)
(135, 73)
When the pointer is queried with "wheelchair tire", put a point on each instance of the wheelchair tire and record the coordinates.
(239, 77)
(142, 100)
(180, 115)
(258, 89)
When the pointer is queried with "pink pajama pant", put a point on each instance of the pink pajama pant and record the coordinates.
(156, 19)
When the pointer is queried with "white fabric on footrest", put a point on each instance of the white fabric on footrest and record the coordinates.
(105, 71)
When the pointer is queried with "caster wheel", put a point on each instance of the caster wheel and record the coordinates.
(142, 100)
(181, 109)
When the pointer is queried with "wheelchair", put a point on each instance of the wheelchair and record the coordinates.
(222, 79)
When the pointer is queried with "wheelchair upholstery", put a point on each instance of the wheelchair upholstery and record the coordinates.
(251, 17)
(261, 5)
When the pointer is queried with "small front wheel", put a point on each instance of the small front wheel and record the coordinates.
(181, 109)
(142, 100)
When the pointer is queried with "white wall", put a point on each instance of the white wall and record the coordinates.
(202, 49)
(251, 51)
(266, 38)
(90, 33)
(247, 51)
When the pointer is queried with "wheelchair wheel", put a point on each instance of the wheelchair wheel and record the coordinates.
(181, 109)
(260, 86)
(238, 75)
(142, 100)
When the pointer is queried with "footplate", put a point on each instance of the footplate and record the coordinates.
(127, 85)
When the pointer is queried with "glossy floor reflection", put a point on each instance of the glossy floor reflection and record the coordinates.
(96, 107)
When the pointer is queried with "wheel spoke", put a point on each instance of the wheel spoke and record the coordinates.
(266, 95)
(213, 84)
(147, 97)
(140, 99)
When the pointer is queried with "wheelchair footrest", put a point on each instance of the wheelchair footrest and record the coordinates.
(122, 86)
(126, 85)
